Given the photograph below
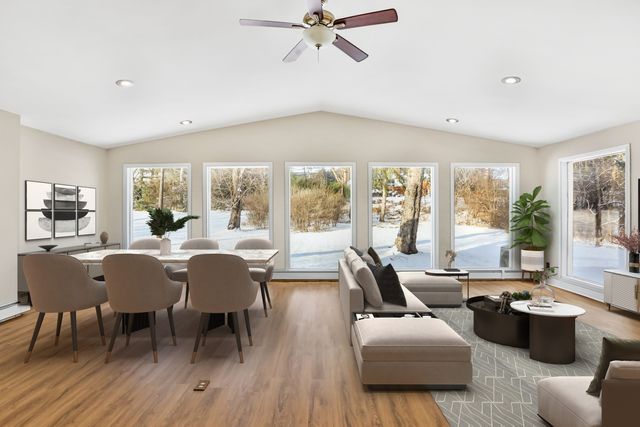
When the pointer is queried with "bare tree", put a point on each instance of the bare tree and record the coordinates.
(407, 234)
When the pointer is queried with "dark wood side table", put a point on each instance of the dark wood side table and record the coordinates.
(457, 273)
(552, 333)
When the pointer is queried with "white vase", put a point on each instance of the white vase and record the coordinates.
(165, 246)
(531, 260)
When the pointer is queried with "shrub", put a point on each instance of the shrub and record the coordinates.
(257, 206)
(315, 209)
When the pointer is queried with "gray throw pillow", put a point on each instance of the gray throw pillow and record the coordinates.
(612, 349)
(367, 282)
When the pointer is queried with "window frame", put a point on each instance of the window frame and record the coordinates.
(434, 203)
(127, 205)
(566, 214)
(514, 191)
(287, 209)
(206, 186)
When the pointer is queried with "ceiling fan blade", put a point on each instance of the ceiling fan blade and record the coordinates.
(350, 49)
(371, 18)
(275, 24)
(315, 8)
(295, 53)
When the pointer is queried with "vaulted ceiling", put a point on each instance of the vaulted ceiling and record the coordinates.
(579, 61)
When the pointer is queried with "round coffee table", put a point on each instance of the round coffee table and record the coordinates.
(552, 332)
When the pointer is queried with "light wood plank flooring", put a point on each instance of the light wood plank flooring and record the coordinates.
(300, 371)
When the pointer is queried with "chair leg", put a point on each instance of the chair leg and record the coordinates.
(114, 333)
(186, 296)
(266, 290)
(205, 329)
(248, 324)
(171, 324)
(129, 328)
(201, 325)
(58, 327)
(100, 324)
(234, 316)
(152, 331)
(74, 336)
(264, 302)
(36, 331)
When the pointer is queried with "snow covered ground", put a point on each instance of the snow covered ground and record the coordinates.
(384, 236)
(227, 239)
(479, 247)
(589, 261)
(319, 250)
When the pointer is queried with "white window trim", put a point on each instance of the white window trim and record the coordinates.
(206, 196)
(514, 191)
(287, 208)
(127, 205)
(566, 228)
(434, 202)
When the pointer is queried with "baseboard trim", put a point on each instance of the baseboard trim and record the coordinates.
(13, 310)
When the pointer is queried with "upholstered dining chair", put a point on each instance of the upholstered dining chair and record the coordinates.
(260, 274)
(60, 284)
(138, 284)
(178, 272)
(146, 243)
(220, 283)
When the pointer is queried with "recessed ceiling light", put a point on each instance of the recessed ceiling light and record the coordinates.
(511, 80)
(186, 122)
(124, 83)
(452, 120)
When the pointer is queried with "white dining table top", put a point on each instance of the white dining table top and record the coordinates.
(180, 256)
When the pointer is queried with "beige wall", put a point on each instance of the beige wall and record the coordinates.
(9, 229)
(316, 137)
(50, 158)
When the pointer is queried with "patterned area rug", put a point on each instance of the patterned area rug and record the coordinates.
(503, 392)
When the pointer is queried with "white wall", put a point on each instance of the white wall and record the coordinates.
(316, 137)
(9, 229)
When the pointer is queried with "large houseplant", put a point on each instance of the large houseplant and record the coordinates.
(530, 223)
(161, 222)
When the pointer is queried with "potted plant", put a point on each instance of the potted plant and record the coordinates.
(542, 294)
(161, 222)
(530, 223)
(632, 244)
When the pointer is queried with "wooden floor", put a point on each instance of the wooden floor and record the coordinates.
(300, 371)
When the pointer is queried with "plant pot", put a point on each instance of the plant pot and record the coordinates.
(531, 260)
(634, 262)
(165, 246)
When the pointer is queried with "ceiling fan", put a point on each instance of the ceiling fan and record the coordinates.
(318, 29)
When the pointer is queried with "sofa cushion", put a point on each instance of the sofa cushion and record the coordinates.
(623, 370)
(410, 339)
(374, 255)
(413, 305)
(612, 349)
(389, 284)
(367, 282)
(562, 401)
(417, 281)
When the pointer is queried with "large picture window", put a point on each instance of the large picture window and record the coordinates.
(238, 202)
(153, 186)
(401, 214)
(595, 198)
(320, 215)
(482, 198)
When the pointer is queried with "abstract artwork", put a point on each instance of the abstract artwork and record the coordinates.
(65, 198)
(38, 204)
(86, 211)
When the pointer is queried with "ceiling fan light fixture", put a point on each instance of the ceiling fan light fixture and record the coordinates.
(318, 36)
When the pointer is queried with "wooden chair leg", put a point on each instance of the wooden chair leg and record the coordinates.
(248, 324)
(112, 341)
(205, 329)
(171, 324)
(266, 290)
(129, 328)
(74, 336)
(264, 302)
(186, 296)
(36, 331)
(152, 332)
(58, 327)
(201, 325)
(100, 325)
(236, 327)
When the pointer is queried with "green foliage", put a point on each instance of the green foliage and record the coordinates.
(530, 221)
(161, 221)
(160, 187)
(521, 296)
(545, 274)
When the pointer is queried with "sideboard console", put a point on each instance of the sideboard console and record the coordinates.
(621, 289)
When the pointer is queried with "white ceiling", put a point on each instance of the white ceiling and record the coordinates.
(579, 60)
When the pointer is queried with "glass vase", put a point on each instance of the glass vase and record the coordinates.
(542, 295)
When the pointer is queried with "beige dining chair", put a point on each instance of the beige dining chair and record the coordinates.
(220, 283)
(260, 274)
(178, 272)
(60, 284)
(138, 284)
(146, 243)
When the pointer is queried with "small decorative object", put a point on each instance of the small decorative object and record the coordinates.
(521, 296)
(505, 299)
(632, 244)
(104, 237)
(450, 255)
(543, 295)
(48, 247)
(161, 223)
(530, 223)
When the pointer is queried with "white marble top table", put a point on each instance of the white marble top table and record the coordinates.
(179, 256)
(557, 309)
